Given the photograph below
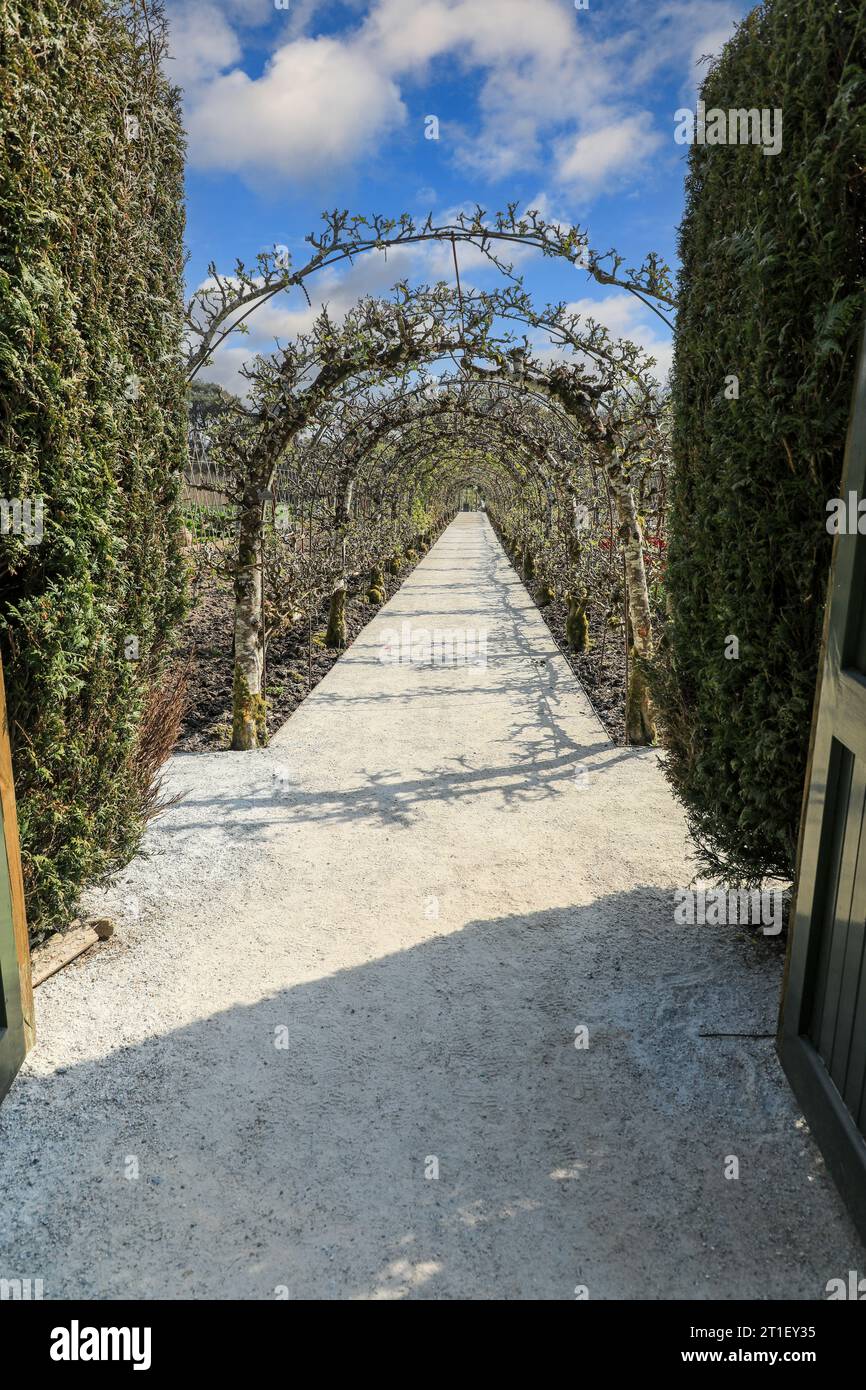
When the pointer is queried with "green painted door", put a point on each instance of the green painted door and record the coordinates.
(822, 1035)
(12, 1041)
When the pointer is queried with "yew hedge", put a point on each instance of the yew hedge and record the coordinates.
(92, 424)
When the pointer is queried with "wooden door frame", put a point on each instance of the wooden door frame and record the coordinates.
(838, 700)
(16, 881)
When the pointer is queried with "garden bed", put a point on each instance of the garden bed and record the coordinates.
(297, 659)
(603, 681)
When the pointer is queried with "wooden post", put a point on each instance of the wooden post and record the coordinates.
(16, 881)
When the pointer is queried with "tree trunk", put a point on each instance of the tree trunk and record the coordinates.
(639, 725)
(640, 720)
(345, 495)
(336, 634)
(249, 728)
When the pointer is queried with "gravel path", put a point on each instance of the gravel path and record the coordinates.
(363, 952)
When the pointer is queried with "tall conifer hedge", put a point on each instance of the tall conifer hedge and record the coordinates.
(773, 292)
(92, 424)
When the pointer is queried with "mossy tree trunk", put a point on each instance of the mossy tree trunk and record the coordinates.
(639, 724)
(248, 705)
(640, 720)
(577, 623)
(335, 636)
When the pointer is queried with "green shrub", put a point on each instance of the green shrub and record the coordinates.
(93, 422)
(773, 252)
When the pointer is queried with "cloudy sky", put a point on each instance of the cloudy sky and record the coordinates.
(293, 107)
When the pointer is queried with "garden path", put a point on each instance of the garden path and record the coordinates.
(358, 958)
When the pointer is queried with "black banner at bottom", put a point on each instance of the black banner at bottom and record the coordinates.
(63, 1339)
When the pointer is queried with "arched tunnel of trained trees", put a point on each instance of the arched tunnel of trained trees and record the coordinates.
(357, 441)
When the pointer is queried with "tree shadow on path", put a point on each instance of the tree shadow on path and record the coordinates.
(306, 1167)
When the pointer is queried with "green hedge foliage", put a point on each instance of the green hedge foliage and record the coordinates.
(92, 422)
(773, 291)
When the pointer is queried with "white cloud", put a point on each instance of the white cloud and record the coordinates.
(319, 104)
(537, 69)
(708, 43)
(225, 369)
(674, 35)
(624, 316)
(546, 84)
(203, 44)
(409, 34)
(598, 158)
(255, 11)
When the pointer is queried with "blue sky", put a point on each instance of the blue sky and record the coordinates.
(316, 105)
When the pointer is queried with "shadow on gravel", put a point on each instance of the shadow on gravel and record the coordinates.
(307, 1166)
(387, 795)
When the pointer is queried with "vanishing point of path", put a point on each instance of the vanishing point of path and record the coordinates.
(363, 952)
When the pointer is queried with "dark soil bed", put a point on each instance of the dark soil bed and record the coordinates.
(603, 681)
(294, 664)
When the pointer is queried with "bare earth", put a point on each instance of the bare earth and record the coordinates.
(368, 947)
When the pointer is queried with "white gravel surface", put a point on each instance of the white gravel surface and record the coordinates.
(418, 891)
